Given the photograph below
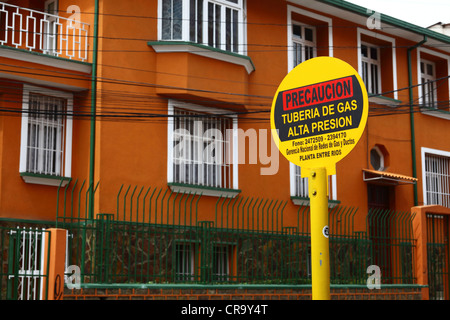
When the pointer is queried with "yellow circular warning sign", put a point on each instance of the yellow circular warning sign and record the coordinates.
(319, 113)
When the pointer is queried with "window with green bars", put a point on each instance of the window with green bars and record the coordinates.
(185, 261)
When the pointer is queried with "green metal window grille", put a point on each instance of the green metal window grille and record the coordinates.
(221, 263)
(185, 261)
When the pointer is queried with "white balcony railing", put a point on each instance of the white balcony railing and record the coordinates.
(43, 32)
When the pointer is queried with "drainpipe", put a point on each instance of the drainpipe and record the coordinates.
(411, 117)
(93, 112)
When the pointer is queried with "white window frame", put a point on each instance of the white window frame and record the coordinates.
(220, 42)
(428, 96)
(65, 171)
(300, 187)
(370, 62)
(439, 55)
(445, 188)
(360, 32)
(301, 40)
(232, 191)
(290, 36)
(301, 197)
(185, 32)
(51, 23)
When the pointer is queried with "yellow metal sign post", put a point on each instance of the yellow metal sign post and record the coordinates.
(318, 115)
(320, 249)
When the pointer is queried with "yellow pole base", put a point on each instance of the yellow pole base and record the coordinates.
(320, 250)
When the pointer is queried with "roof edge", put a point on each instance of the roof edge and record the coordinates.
(348, 6)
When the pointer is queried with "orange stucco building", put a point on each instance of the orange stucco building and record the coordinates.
(116, 94)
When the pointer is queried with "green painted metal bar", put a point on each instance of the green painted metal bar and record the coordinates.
(83, 241)
(262, 216)
(142, 260)
(237, 212)
(173, 208)
(65, 203)
(185, 212)
(232, 213)
(404, 245)
(125, 201)
(162, 204)
(217, 204)
(47, 270)
(131, 204)
(385, 239)
(224, 216)
(79, 199)
(136, 223)
(71, 198)
(227, 200)
(117, 202)
(93, 107)
(277, 228)
(267, 216)
(248, 214)
(57, 201)
(137, 204)
(179, 208)
(270, 226)
(190, 211)
(411, 116)
(334, 220)
(241, 211)
(156, 206)
(150, 205)
(89, 193)
(253, 215)
(168, 207)
(257, 215)
(13, 251)
(143, 204)
(346, 226)
(304, 220)
(412, 245)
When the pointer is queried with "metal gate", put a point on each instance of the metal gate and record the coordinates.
(22, 274)
(438, 256)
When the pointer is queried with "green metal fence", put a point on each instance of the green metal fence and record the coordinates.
(392, 244)
(156, 236)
